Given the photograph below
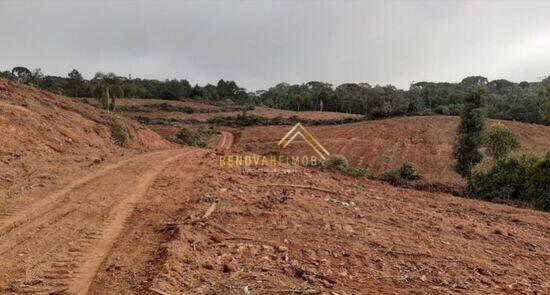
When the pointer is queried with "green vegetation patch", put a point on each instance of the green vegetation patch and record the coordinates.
(255, 120)
(196, 137)
(524, 180)
(399, 176)
(120, 133)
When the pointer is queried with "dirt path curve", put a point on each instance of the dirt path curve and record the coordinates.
(225, 141)
(57, 244)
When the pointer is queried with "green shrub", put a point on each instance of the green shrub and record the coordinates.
(392, 176)
(537, 189)
(356, 171)
(525, 180)
(340, 163)
(504, 181)
(190, 137)
(336, 162)
(196, 137)
(210, 131)
(252, 120)
(500, 141)
(120, 134)
(408, 171)
(156, 107)
(398, 176)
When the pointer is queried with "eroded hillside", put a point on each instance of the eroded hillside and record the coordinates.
(45, 136)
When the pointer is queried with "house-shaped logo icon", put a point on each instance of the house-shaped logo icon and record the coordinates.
(300, 130)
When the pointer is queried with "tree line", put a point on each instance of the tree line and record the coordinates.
(525, 101)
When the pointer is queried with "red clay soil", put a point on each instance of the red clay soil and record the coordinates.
(46, 137)
(207, 229)
(384, 144)
(114, 220)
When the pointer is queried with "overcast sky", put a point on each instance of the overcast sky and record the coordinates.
(261, 43)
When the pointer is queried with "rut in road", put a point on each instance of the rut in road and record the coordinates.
(60, 244)
(225, 141)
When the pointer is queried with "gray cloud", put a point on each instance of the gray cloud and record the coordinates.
(261, 43)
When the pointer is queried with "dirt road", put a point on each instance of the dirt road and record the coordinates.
(225, 141)
(58, 244)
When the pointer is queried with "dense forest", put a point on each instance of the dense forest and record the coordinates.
(525, 101)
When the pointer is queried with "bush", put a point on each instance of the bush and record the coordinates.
(340, 163)
(251, 120)
(408, 171)
(504, 181)
(156, 107)
(392, 176)
(190, 137)
(525, 180)
(336, 162)
(356, 171)
(120, 134)
(537, 189)
(398, 176)
(500, 141)
(196, 137)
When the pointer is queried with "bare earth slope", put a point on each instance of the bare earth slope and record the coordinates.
(383, 144)
(58, 243)
(45, 137)
(174, 221)
(208, 229)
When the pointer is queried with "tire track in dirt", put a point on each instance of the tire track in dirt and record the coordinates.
(16, 218)
(140, 252)
(64, 237)
(100, 249)
(225, 141)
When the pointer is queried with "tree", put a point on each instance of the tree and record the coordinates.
(544, 101)
(500, 141)
(468, 135)
(35, 77)
(538, 186)
(545, 112)
(107, 94)
(175, 89)
(75, 85)
(546, 84)
(75, 75)
(22, 74)
(474, 81)
(107, 90)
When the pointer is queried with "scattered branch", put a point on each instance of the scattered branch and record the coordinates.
(304, 187)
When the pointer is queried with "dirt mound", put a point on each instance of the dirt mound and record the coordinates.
(45, 135)
(385, 144)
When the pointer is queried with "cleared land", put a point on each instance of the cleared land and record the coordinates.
(237, 229)
(45, 138)
(204, 111)
(129, 220)
(383, 144)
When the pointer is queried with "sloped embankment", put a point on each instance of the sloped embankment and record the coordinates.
(45, 136)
